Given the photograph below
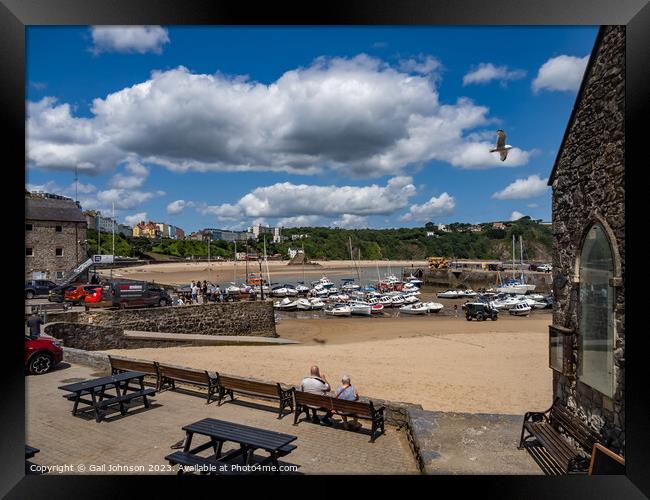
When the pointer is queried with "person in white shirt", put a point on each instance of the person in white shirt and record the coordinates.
(316, 383)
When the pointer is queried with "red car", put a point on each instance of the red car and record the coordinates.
(42, 354)
(97, 296)
(77, 294)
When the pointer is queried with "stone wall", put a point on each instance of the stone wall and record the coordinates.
(237, 318)
(44, 239)
(475, 278)
(588, 187)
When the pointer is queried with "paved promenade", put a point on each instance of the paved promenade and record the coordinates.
(143, 437)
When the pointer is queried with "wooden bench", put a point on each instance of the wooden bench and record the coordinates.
(120, 365)
(367, 411)
(230, 385)
(548, 427)
(169, 375)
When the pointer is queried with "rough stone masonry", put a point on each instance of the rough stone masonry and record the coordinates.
(588, 188)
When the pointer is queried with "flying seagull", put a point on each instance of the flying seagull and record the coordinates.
(502, 147)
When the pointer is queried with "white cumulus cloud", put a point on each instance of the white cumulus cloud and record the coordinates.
(516, 215)
(351, 221)
(140, 39)
(132, 220)
(561, 73)
(521, 189)
(359, 117)
(486, 72)
(290, 200)
(177, 207)
(435, 207)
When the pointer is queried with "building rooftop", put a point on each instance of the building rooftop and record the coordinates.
(52, 209)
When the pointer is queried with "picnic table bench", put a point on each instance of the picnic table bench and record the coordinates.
(248, 438)
(367, 411)
(169, 375)
(229, 385)
(100, 399)
(547, 428)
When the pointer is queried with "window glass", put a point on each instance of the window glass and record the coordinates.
(59, 229)
(29, 252)
(59, 252)
(28, 227)
(596, 325)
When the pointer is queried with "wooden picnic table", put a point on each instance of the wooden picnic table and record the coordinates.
(100, 396)
(249, 439)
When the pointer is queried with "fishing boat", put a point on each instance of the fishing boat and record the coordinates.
(302, 289)
(414, 309)
(386, 301)
(469, 293)
(414, 281)
(360, 308)
(233, 289)
(521, 309)
(339, 310)
(506, 303)
(433, 307)
(286, 304)
(448, 294)
(290, 291)
(397, 301)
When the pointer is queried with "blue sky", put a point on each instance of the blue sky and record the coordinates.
(341, 126)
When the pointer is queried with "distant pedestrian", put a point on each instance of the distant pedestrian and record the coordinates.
(195, 293)
(456, 309)
(34, 322)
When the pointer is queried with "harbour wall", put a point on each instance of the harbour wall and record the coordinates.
(476, 278)
(239, 318)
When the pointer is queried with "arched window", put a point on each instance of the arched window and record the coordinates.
(596, 322)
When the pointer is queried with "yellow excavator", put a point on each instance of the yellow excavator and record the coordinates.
(438, 262)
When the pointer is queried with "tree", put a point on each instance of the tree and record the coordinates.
(430, 226)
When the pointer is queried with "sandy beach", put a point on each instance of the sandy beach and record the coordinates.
(443, 363)
(179, 273)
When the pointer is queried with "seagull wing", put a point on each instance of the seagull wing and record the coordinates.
(501, 140)
(504, 154)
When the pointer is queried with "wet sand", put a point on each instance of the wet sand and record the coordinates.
(441, 362)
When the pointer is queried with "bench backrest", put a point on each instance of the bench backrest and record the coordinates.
(127, 365)
(184, 374)
(561, 416)
(239, 384)
(329, 402)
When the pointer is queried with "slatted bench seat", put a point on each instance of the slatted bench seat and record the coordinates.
(169, 375)
(230, 385)
(550, 427)
(125, 398)
(367, 411)
(119, 365)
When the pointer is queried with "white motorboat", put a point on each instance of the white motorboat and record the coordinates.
(316, 304)
(279, 291)
(415, 281)
(448, 294)
(286, 304)
(411, 299)
(339, 310)
(333, 290)
(540, 305)
(433, 307)
(521, 309)
(469, 293)
(321, 293)
(325, 282)
(233, 289)
(360, 308)
(535, 296)
(414, 309)
(304, 305)
(302, 289)
(506, 303)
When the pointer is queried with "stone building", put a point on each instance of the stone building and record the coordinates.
(587, 338)
(55, 234)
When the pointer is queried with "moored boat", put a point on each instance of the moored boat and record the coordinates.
(414, 309)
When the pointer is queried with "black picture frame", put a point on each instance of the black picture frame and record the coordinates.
(16, 14)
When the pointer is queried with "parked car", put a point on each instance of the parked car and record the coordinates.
(42, 354)
(98, 296)
(138, 294)
(34, 288)
(545, 268)
(77, 294)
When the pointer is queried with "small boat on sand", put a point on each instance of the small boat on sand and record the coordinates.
(339, 310)
(414, 309)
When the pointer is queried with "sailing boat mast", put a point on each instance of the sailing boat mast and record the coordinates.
(246, 277)
(513, 256)
(234, 268)
(521, 256)
(266, 262)
(303, 263)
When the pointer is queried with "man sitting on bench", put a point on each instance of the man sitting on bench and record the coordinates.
(348, 392)
(317, 384)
